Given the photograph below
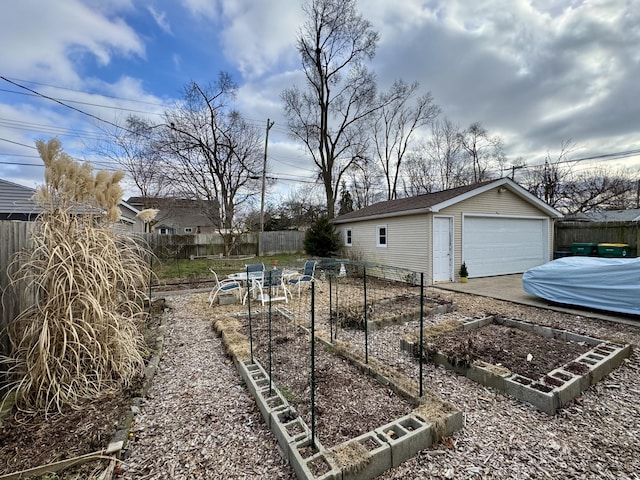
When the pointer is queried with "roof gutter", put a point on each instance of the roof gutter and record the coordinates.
(379, 216)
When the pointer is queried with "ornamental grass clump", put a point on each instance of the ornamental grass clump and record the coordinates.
(80, 339)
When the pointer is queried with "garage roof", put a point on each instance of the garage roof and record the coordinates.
(434, 202)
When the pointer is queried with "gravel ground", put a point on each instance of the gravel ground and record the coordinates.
(199, 421)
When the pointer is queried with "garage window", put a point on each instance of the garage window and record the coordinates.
(347, 237)
(381, 236)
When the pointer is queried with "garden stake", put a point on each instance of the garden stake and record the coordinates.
(270, 296)
(330, 312)
(421, 325)
(313, 365)
(249, 307)
(366, 326)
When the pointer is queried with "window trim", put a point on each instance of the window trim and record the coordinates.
(348, 237)
(379, 244)
(188, 229)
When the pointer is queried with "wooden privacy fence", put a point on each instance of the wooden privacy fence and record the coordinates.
(209, 244)
(14, 236)
(567, 233)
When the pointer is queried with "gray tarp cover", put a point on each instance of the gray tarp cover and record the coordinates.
(604, 283)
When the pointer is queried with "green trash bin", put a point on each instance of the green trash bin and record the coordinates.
(584, 249)
(613, 250)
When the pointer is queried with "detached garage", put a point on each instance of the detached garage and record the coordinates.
(495, 227)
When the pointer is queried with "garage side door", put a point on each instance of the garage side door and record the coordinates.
(501, 246)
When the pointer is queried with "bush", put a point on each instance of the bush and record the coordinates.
(322, 239)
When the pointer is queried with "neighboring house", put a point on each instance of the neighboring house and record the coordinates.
(178, 216)
(629, 215)
(495, 227)
(16, 203)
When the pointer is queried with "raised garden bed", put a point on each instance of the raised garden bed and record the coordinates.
(543, 366)
(388, 311)
(359, 411)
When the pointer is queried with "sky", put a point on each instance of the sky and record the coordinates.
(535, 72)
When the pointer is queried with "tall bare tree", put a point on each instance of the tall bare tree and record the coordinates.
(328, 117)
(132, 147)
(548, 182)
(443, 150)
(215, 153)
(395, 126)
(485, 153)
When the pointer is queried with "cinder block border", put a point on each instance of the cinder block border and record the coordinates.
(552, 390)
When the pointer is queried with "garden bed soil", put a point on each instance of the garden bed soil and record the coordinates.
(348, 403)
(522, 352)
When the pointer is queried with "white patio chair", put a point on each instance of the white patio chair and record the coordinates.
(224, 286)
(307, 275)
(272, 288)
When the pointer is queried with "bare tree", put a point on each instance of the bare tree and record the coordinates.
(395, 125)
(548, 182)
(132, 147)
(421, 175)
(484, 152)
(444, 152)
(215, 153)
(329, 116)
(599, 188)
(365, 184)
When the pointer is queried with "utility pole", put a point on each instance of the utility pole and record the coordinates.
(264, 174)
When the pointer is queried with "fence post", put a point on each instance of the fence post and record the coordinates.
(330, 311)
(270, 336)
(421, 327)
(366, 323)
(249, 308)
(313, 365)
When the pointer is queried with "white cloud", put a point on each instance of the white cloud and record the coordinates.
(161, 19)
(57, 35)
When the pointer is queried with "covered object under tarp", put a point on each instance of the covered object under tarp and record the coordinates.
(611, 284)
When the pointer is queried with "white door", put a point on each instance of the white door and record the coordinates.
(442, 249)
(501, 246)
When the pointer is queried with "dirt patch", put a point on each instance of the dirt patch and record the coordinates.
(522, 352)
(348, 402)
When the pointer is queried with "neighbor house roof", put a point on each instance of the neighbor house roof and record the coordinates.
(434, 202)
(16, 201)
(629, 215)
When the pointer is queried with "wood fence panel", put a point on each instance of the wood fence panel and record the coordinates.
(14, 237)
(281, 242)
(567, 233)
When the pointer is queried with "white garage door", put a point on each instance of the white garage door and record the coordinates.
(500, 246)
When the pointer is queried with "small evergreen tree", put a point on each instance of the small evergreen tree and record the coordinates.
(322, 239)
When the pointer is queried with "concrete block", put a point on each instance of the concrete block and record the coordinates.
(539, 395)
(304, 461)
(227, 299)
(406, 436)
(288, 427)
(488, 375)
(379, 460)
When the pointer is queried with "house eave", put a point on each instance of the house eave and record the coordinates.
(403, 213)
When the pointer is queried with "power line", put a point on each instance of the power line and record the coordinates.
(87, 93)
(65, 105)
